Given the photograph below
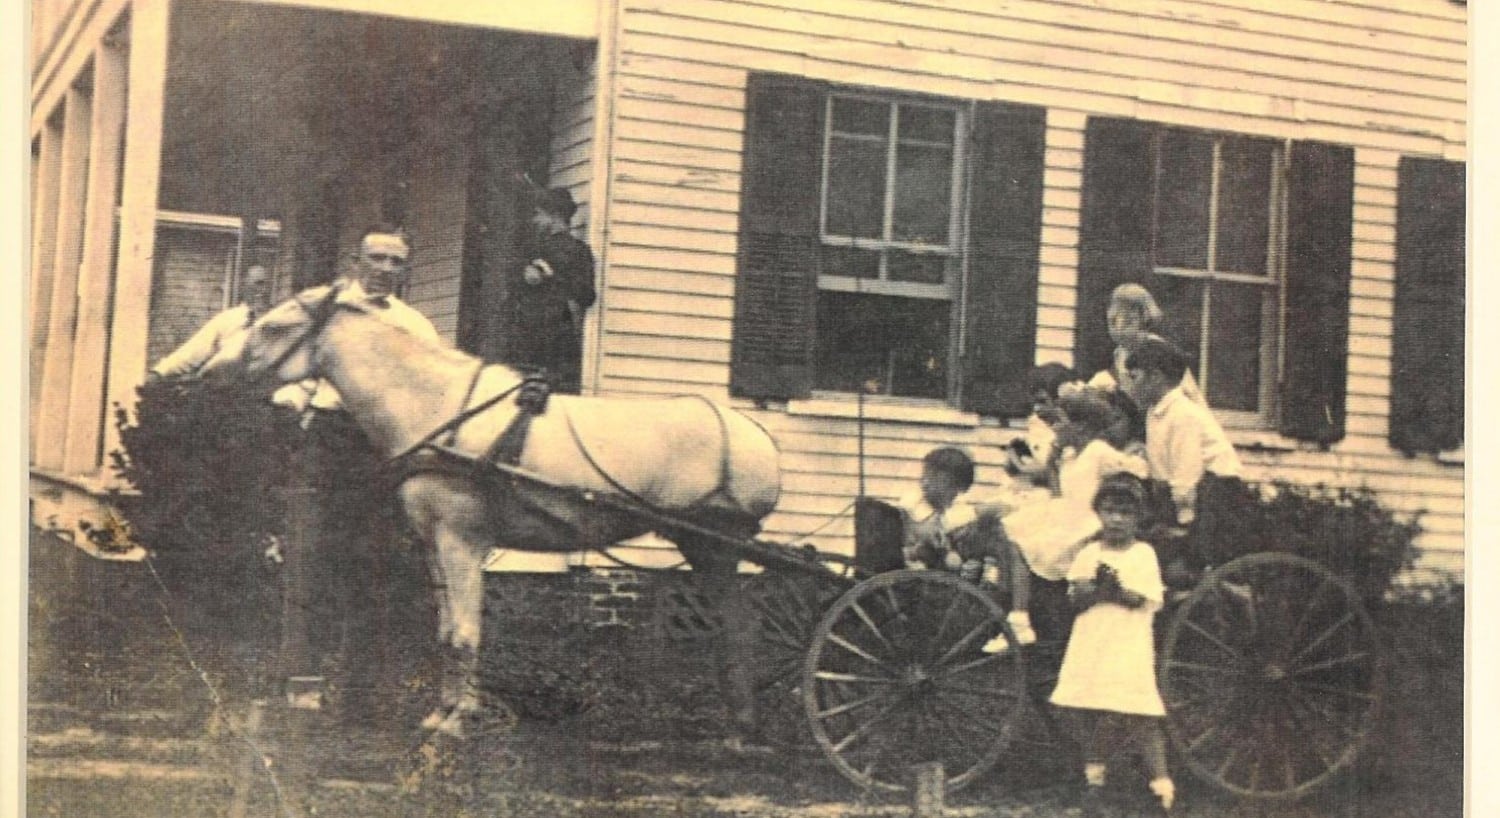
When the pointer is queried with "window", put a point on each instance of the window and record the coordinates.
(890, 250)
(889, 243)
(1217, 226)
(1246, 244)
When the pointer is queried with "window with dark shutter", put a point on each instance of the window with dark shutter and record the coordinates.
(1427, 344)
(1224, 229)
(853, 247)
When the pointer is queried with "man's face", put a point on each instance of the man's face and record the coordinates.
(255, 290)
(381, 267)
(545, 223)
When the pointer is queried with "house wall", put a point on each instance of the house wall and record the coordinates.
(1387, 77)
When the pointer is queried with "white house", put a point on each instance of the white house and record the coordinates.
(791, 201)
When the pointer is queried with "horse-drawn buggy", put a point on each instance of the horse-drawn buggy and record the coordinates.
(1269, 665)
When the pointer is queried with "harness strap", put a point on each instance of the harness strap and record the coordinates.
(531, 401)
(468, 396)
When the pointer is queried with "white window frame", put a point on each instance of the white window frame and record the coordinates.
(1273, 302)
(952, 251)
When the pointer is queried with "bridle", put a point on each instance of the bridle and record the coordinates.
(321, 313)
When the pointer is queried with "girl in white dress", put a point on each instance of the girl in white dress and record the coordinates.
(1108, 676)
(1048, 534)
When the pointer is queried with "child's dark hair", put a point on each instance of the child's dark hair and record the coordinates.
(953, 462)
(1159, 355)
(1122, 487)
(1048, 378)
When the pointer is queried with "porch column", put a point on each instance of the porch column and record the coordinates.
(145, 101)
(86, 417)
(43, 249)
(57, 367)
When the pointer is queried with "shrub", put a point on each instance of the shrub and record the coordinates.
(211, 464)
(1346, 529)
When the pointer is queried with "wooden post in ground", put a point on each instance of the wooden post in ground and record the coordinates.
(244, 778)
(929, 784)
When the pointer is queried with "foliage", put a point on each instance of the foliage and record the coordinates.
(212, 466)
(1346, 529)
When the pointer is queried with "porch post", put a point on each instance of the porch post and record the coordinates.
(145, 100)
(43, 250)
(57, 366)
(91, 344)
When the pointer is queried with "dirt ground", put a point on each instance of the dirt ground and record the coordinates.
(138, 723)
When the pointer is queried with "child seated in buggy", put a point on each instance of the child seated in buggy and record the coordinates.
(1019, 545)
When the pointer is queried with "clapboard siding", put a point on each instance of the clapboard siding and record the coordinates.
(1387, 78)
(439, 180)
(570, 156)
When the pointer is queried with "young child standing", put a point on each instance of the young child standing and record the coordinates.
(1108, 676)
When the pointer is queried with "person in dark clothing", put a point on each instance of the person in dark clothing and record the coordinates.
(549, 295)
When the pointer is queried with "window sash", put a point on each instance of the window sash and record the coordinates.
(885, 242)
(1273, 301)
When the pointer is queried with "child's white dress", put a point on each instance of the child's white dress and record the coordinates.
(1110, 663)
(1050, 532)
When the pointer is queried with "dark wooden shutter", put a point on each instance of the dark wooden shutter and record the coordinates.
(1320, 220)
(1005, 222)
(1114, 240)
(1427, 345)
(776, 284)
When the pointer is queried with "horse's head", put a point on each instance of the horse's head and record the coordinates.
(279, 346)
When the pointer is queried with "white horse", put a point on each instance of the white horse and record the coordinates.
(685, 456)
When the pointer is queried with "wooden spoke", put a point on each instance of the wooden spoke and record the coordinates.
(860, 652)
(834, 676)
(1337, 661)
(864, 728)
(1324, 636)
(968, 639)
(854, 705)
(1215, 641)
(1219, 671)
(864, 617)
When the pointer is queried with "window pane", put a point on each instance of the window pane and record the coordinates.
(848, 261)
(924, 268)
(1233, 370)
(928, 124)
(1181, 301)
(1244, 205)
(861, 116)
(856, 188)
(924, 177)
(899, 344)
(1182, 197)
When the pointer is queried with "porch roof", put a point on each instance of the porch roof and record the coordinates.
(577, 19)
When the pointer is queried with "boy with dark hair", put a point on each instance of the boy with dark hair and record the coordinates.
(1185, 446)
(945, 530)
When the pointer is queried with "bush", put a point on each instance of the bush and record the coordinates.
(211, 464)
(1346, 529)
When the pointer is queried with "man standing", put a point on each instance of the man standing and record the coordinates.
(336, 577)
(548, 297)
(186, 360)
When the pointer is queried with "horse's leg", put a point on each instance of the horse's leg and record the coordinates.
(734, 645)
(460, 562)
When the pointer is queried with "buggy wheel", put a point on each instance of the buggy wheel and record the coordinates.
(1272, 673)
(895, 677)
(787, 609)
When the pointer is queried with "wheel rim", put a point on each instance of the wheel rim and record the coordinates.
(1272, 673)
(895, 677)
(787, 609)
